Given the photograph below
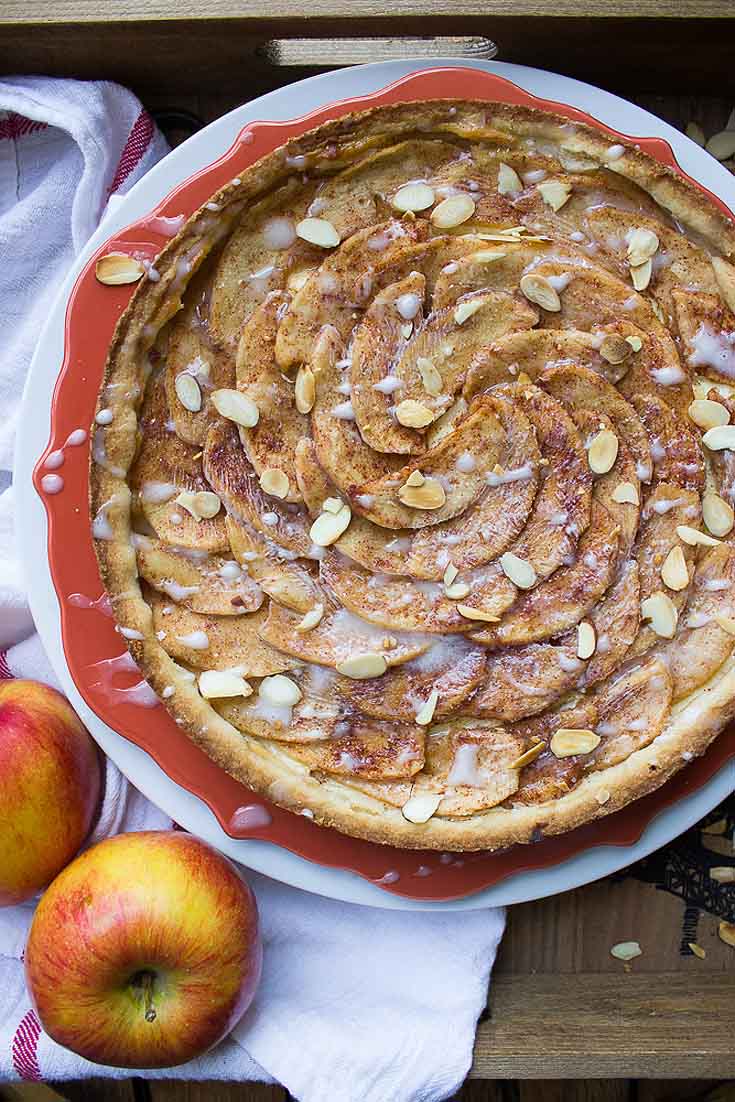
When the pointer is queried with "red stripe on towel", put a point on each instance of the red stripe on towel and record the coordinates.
(139, 139)
(25, 1047)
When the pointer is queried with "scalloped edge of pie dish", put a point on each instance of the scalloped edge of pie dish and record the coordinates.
(720, 689)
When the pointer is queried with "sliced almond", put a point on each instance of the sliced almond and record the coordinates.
(586, 640)
(318, 231)
(360, 667)
(641, 274)
(465, 310)
(275, 482)
(311, 618)
(415, 479)
(707, 414)
(450, 574)
(332, 505)
(697, 950)
(537, 289)
(726, 933)
(727, 623)
(202, 505)
(305, 390)
(236, 407)
(723, 874)
(217, 684)
(328, 527)
(569, 741)
(487, 256)
(419, 808)
(429, 495)
(530, 755)
(625, 493)
(658, 310)
(635, 343)
(453, 212)
(718, 515)
(661, 612)
(626, 950)
(118, 268)
(425, 713)
(674, 572)
(413, 197)
(614, 349)
(520, 572)
(602, 797)
(279, 690)
(555, 193)
(694, 538)
(642, 245)
(471, 613)
(413, 414)
(457, 591)
(722, 145)
(725, 276)
(603, 451)
(720, 438)
(430, 377)
(188, 391)
(509, 182)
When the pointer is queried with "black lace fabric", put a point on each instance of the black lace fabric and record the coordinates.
(683, 867)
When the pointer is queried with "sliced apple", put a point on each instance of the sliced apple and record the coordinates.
(215, 642)
(677, 455)
(702, 643)
(373, 750)
(452, 668)
(470, 766)
(706, 327)
(269, 445)
(480, 435)
(166, 466)
(676, 262)
(616, 620)
(230, 475)
(210, 584)
(524, 682)
(632, 711)
(346, 279)
(565, 598)
(547, 777)
(338, 637)
(401, 604)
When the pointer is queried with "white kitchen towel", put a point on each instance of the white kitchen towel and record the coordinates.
(355, 1004)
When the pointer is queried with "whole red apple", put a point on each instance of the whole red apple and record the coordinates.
(49, 787)
(145, 951)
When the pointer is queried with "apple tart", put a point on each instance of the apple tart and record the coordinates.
(413, 473)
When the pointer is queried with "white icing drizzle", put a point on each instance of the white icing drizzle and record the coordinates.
(464, 767)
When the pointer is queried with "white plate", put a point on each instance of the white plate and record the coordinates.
(199, 151)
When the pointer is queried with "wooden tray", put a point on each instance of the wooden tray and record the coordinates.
(560, 1006)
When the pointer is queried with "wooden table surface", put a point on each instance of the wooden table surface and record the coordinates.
(560, 1007)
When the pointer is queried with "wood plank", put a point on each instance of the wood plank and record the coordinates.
(673, 1090)
(586, 1025)
(176, 1090)
(565, 1090)
(188, 57)
(98, 1090)
(90, 11)
(574, 932)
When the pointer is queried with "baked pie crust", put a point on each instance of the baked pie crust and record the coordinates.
(413, 475)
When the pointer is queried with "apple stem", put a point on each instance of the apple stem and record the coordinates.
(146, 982)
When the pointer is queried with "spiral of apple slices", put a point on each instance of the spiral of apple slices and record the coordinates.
(469, 545)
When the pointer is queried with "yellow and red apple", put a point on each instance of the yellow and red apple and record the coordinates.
(145, 951)
(49, 787)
